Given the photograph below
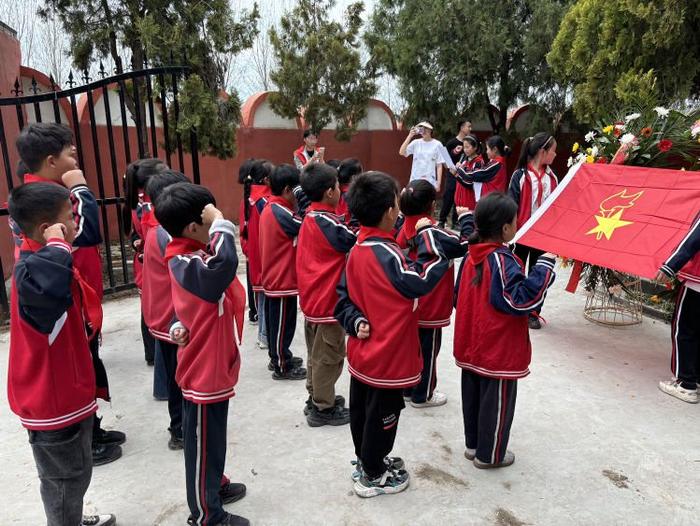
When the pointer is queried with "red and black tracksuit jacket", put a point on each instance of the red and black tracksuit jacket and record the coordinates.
(250, 232)
(323, 244)
(209, 302)
(381, 286)
(492, 176)
(530, 188)
(51, 380)
(279, 228)
(685, 260)
(464, 193)
(491, 337)
(137, 234)
(156, 297)
(435, 308)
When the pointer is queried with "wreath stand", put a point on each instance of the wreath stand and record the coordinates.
(617, 305)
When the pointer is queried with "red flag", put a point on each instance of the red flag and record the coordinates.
(626, 218)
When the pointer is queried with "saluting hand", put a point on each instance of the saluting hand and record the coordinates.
(57, 230)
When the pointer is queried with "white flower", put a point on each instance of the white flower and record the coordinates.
(590, 136)
(627, 138)
(570, 162)
(632, 117)
(661, 111)
(695, 129)
(594, 151)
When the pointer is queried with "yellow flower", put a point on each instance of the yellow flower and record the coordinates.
(590, 159)
(575, 147)
(589, 151)
(609, 129)
(655, 299)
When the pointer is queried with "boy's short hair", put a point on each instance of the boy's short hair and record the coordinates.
(283, 176)
(181, 204)
(308, 132)
(41, 139)
(333, 163)
(316, 178)
(21, 170)
(348, 169)
(159, 182)
(370, 196)
(30, 205)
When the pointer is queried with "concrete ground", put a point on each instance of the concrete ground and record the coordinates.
(595, 441)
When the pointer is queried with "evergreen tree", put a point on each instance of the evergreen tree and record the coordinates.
(319, 71)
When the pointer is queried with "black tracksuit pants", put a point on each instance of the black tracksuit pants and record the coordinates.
(374, 419)
(488, 406)
(685, 333)
(204, 433)
(252, 302)
(149, 342)
(169, 353)
(448, 199)
(281, 322)
(430, 343)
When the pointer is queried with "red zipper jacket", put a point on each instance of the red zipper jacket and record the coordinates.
(209, 302)
(522, 191)
(492, 177)
(50, 379)
(324, 241)
(137, 234)
(250, 232)
(435, 308)
(464, 193)
(156, 298)
(491, 336)
(279, 228)
(381, 286)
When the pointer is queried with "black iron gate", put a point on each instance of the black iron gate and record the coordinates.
(152, 96)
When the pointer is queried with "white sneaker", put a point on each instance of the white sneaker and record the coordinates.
(437, 399)
(390, 482)
(470, 454)
(98, 520)
(673, 387)
(262, 345)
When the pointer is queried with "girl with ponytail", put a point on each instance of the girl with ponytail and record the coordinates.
(490, 177)
(530, 186)
(491, 338)
(417, 201)
(472, 159)
(136, 206)
(254, 175)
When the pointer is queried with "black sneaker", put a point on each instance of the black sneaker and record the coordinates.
(232, 492)
(252, 319)
(233, 520)
(391, 463)
(175, 443)
(309, 404)
(335, 416)
(387, 483)
(109, 438)
(534, 322)
(105, 453)
(298, 373)
(150, 363)
(98, 520)
(296, 361)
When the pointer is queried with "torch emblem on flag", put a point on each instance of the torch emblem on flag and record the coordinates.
(610, 217)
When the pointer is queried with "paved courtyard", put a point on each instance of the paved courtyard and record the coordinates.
(596, 442)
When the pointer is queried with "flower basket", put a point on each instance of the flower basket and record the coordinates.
(616, 305)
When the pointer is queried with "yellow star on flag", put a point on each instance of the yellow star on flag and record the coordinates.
(607, 225)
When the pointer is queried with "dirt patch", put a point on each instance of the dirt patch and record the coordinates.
(447, 449)
(616, 478)
(507, 485)
(166, 513)
(506, 518)
(438, 476)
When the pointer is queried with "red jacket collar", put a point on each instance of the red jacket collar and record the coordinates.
(258, 191)
(480, 251)
(409, 225)
(29, 245)
(344, 188)
(280, 201)
(182, 245)
(33, 178)
(367, 232)
(320, 207)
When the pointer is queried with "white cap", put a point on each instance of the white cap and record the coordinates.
(425, 124)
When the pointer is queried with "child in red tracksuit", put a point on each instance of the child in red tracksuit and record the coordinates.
(47, 151)
(256, 193)
(465, 194)
(324, 241)
(348, 169)
(684, 264)
(491, 339)
(279, 228)
(135, 178)
(157, 303)
(51, 381)
(209, 304)
(435, 308)
(376, 306)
